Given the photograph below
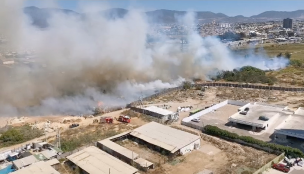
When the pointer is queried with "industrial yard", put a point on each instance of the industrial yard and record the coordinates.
(209, 156)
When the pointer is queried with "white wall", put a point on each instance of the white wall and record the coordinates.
(190, 147)
(237, 103)
(205, 111)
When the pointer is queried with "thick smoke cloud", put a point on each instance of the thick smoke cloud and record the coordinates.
(81, 61)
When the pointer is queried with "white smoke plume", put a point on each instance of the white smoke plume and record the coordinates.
(81, 61)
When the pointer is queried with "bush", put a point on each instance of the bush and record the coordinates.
(16, 135)
(288, 55)
(213, 130)
(186, 85)
(246, 74)
(295, 63)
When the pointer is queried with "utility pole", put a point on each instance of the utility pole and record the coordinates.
(59, 143)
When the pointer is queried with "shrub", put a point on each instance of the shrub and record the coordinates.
(295, 63)
(16, 135)
(246, 74)
(213, 130)
(186, 85)
(288, 55)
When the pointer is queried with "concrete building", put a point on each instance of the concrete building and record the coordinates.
(23, 162)
(92, 160)
(225, 25)
(254, 116)
(287, 23)
(162, 137)
(292, 126)
(37, 168)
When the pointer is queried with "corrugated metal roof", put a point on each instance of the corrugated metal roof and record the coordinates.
(52, 162)
(119, 149)
(164, 136)
(25, 161)
(96, 161)
(142, 162)
(158, 110)
(49, 153)
(37, 168)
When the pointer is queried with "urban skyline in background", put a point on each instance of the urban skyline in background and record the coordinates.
(231, 8)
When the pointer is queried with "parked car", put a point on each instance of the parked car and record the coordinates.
(243, 112)
(74, 125)
(263, 118)
(281, 167)
(196, 120)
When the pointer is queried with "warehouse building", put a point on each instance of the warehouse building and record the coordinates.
(160, 113)
(161, 137)
(37, 168)
(92, 160)
(124, 154)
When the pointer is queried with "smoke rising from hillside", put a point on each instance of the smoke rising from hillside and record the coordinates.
(81, 61)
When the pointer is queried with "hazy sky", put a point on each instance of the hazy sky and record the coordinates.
(231, 8)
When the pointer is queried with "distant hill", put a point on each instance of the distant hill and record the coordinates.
(299, 14)
(40, 16)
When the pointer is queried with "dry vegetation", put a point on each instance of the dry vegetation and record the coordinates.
(291, 75)
(82, 136)
(178, 96)
(240, 158)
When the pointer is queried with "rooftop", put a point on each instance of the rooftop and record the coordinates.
(37, 168)
(158, 110)
(293, 126)
(25, 161)
(300, 111)
(49, 153)
(96, 161)
(119, 149)
(143, 163)
(255, 111)
(164, 136)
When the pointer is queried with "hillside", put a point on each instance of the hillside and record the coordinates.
(41, 15)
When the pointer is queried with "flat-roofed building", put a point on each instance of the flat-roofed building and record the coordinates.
(160, 113)
(37, 168)
(292, 126)
(259, 115)
(23, 162)
(166, 138)
(92, 160)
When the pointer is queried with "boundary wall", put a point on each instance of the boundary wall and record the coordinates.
(218, 84)
(214, 107)
(269, 164)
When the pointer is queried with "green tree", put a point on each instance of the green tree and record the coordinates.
(12, 135)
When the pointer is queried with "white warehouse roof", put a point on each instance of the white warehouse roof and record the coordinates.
(158, 110)
(96, 161)
(37, 168)
(164, 136)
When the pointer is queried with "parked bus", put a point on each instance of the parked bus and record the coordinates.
(194, 111)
